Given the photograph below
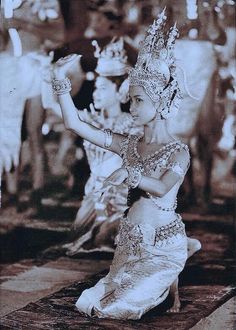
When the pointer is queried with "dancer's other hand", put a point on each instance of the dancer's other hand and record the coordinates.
(85, 116)
(116, 178)
(64, 64)
(92, 109)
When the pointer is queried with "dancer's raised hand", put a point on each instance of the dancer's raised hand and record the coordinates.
(62, 66)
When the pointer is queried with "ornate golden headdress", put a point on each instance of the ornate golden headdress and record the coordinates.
(155, 69)
(112, 60)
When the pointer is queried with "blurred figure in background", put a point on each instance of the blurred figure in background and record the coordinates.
(100, 21)
(97, 222)
(41, 29)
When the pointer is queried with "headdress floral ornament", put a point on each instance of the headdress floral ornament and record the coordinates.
(112, 60)
(45, 9)
(155, 69)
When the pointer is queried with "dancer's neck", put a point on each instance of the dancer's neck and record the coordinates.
(157, 132)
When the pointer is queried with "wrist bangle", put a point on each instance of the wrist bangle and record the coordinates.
(108, 138)
(61, 86)
(134, 177)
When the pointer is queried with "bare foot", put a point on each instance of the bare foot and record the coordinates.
(176, 306)
(193, 246)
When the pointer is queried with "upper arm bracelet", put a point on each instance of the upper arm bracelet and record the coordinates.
(177, 168)
(134, 177)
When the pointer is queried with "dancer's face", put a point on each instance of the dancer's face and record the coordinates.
(105, 94)
(142, 108)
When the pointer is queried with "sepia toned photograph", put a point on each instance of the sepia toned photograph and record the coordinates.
(118, 164)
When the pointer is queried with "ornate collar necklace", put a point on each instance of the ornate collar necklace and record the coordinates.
(155, 153)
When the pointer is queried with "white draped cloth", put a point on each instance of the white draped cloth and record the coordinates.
(197, 59)
(140, 275)
(21, 78)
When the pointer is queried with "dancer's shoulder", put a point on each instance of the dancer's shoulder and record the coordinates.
(179, 161)
(183, 147)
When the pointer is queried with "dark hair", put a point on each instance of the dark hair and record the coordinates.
(118, 80)
(174, 92)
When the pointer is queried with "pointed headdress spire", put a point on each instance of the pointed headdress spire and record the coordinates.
(155, 69)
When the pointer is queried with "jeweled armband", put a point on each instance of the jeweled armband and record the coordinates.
(134, 177)
(61, 86)
(108, 138)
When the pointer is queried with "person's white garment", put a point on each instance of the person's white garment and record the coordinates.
(107, 213)
(140, 275)
(199, 63)
(21, 78)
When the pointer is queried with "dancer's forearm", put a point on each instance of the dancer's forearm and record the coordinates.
(158, 187)
(73, 123)
(162, 185)
(61, 86)
(69, 111)
(153, 186)
(85, 130)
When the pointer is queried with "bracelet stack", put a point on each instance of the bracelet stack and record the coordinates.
(134, 177)
(108, 138)
(61, 86)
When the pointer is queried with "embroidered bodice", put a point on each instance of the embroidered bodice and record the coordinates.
(163, 159)
(148, 164)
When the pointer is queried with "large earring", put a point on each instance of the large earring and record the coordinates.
(123, 92)
(158, 113)
(158, 116)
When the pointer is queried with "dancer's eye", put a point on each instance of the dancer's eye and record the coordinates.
(138, 100)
